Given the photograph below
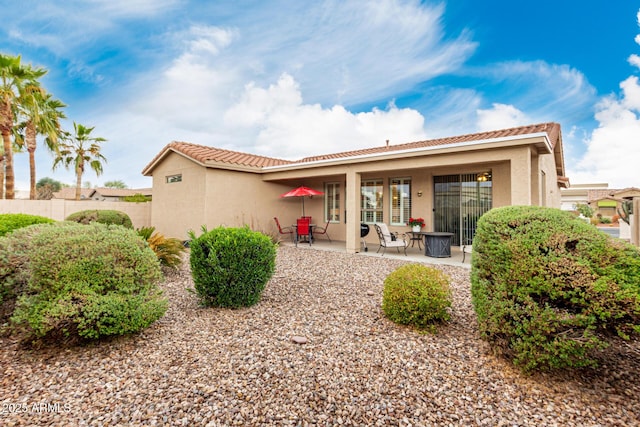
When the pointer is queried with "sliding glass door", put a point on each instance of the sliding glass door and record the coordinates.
(459, 200)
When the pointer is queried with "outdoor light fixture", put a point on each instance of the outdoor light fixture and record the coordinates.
(419, 193)
(484, 177)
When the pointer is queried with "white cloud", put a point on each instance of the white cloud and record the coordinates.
(289, 128)
(613, 149)
(501, 116)
(634, 60)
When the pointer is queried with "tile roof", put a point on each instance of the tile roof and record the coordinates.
(121, 192)
(208, 155)
(69, 193)
(204, 155)
(552, 130)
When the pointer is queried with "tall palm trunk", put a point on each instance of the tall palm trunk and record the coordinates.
(1, 177)
(5, 128)
(30, 139)
(79, 172)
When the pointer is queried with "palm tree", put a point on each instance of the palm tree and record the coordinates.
(42, 114)
(13, 76)
(80, 149)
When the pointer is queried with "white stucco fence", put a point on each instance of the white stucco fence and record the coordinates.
(59, 209)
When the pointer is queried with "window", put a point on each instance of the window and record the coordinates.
(174, 178)
(332, 201)
(400, 190)
(371, 201)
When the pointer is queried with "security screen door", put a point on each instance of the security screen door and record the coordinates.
(459, 200)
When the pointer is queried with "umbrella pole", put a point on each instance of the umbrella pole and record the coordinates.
(303, 206)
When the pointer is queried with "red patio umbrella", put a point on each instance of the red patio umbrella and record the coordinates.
(302, 192)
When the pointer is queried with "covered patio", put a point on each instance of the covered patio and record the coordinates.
(413, 253)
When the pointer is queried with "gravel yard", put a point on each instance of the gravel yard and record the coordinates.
(200, 366)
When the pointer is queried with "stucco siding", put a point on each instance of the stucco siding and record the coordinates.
(178, 206)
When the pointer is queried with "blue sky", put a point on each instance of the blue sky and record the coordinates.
(293, 78)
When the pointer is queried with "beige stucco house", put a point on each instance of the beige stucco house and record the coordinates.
(449, 182)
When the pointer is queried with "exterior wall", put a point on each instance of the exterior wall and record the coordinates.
(549, 193)
(216, 196)
(59, 209)
(236, 199)
(179, 206)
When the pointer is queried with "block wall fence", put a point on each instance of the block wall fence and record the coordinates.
(59, 209)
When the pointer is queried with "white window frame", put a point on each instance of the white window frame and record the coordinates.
(403, 200)
(332, 202)
(375, 188)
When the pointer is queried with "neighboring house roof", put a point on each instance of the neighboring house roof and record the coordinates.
(217, 157)
(69, 193)
(119, 192)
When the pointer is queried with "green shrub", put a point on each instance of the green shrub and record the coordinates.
(550, 290)
(15, 249)
(169, 250)
(10, 222)
(231, 266)
(417, 295)
(102, 217)
(86, 282)
(136, 198)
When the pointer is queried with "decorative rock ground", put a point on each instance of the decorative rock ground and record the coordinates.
(218, 367)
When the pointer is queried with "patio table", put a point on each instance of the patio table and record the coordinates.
(437, 244)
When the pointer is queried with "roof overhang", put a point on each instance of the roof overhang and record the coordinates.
(540, 140)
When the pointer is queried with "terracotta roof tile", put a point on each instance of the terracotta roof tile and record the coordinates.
(69, 193)
(205, 154)
(552, 130)
(120, 192)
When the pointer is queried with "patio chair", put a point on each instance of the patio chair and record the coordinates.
(390, 240)
(322, 230)
(467, 248)
(285, 230)
(303, 228)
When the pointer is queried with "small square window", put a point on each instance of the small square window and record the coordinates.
(174, 178)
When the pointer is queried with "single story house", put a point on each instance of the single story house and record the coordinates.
(608, 205)
(581, 194)
(450, 182)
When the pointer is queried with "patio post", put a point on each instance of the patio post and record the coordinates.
(352, 206)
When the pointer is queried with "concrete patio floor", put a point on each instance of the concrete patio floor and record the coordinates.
(413, 253)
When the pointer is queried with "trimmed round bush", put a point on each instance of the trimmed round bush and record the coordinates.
(550, 290)
(231, 266)
(10, 222)
(102, 217)
(417, 295)
(85, 282)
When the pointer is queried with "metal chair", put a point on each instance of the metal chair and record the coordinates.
(285, 230)
(467, 248)
(303, 228)
(322, 230)
(387, 241)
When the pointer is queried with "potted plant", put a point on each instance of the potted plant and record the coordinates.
(416, 224)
